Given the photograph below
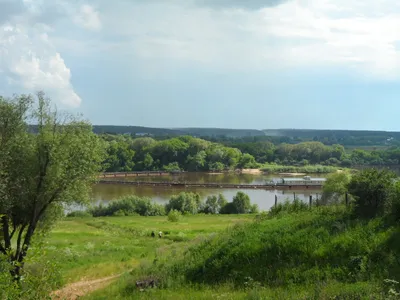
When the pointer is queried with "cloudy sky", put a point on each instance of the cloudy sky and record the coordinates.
(208, 63)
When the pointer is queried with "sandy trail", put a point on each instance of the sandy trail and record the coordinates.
(78, 289)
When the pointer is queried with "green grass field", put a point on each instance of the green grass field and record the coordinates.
(89, 248)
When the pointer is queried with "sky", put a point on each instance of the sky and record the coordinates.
(316, 64)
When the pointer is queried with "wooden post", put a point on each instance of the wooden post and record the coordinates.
(294, 196)
(276, 200)
(347, 199)
(310, 201)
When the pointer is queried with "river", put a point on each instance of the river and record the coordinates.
(103, 193)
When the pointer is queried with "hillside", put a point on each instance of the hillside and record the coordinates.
(343, 137)
(323, 254)
(210, 132)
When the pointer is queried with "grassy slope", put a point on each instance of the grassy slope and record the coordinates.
(96, 247)
(318, 255)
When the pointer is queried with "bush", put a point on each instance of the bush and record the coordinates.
(254, 209)
(128, 206)
(174, 216)
(228, 209)
(214, 204)
(372, 190)
(242, 204)
(185, 203)
(79, 214)
(289, 207)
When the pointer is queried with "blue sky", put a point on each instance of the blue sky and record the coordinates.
(329, 64)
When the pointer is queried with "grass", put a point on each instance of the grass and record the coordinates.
(273, 168)
(89, 248)
(320, 254)
(329, 291)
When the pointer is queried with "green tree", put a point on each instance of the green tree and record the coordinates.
(216, 166)
(214, 204)
(241, 202)
(120, 158)
(197, 162)
(185, 203)
(372, 190)
(148, 162)
(247, 161)
(41, 171)
(222, 201)
(171, 167)
(335, 187)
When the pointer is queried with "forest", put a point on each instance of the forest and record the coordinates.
(276, 136)
(188, 153)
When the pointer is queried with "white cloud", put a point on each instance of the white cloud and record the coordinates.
(88, 18)
(355, 35)
(29, 60)
(49, 74)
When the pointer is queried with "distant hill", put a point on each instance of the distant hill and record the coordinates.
(328, 137)
(210, 132)
(136, 130)
(222, 132)
(344, 137)
(325, 133)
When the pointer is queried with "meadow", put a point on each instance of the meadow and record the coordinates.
(90, 248)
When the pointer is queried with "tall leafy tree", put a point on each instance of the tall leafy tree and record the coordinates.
(41, 171)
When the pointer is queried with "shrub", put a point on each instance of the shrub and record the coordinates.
(289, 207)
(228, 209)
(174, 215)
(372, 190)
(241, 202)
(79, 214)
(214, 204)
(254, 209)
(128, 206)
(335, 187)
(185, 203)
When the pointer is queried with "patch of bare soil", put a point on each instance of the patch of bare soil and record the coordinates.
(292, 174)
(78, 289)
(251, 171)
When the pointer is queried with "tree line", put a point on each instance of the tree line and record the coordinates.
(194, 154)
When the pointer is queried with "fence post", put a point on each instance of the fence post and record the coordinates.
(347, 199)
(294, 196)
(310, 201)
(276, 200)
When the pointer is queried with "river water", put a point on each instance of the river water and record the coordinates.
(103, 193)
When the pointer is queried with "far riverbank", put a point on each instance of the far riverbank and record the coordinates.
(265, 169)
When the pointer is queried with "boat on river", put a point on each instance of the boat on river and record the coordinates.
(305, 181)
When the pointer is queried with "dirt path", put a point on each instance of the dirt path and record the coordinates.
(78, 289)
